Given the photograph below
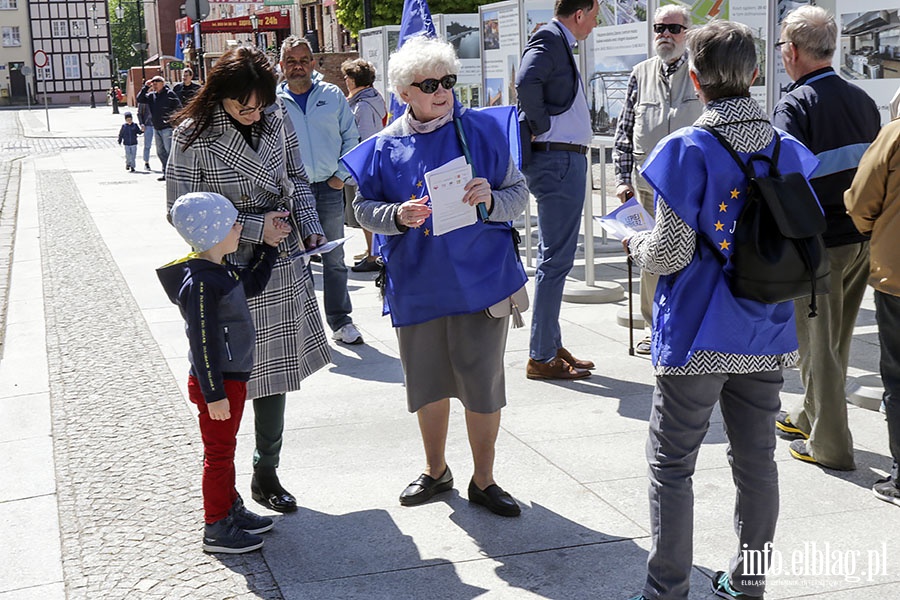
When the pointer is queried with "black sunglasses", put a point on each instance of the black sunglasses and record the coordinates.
(430, 86)
(782, 43)
(673, 28)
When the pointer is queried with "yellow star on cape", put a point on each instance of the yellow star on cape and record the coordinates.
(719, 226)
(418, 184)
(427, 232)
(725, 245)
(723, 207)
(412, 196)
(735, 193)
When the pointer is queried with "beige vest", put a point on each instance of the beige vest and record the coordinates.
(661, 108)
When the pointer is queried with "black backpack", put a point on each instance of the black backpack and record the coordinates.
(778, 251)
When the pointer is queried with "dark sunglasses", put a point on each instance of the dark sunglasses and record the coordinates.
(430, 86)
(673, 28)
(782, 43)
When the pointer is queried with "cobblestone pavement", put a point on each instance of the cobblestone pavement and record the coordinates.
(127, 460)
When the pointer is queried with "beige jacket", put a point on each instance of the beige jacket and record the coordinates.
(873, 202)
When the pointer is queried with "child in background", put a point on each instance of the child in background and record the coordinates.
(128, 136)
(212, 298)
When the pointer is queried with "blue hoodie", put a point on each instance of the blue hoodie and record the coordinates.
(326, 131)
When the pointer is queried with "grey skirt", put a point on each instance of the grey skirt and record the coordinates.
(455, 357)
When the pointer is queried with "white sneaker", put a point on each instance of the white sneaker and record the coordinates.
(348, 334)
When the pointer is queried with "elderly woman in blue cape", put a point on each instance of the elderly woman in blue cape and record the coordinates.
(436, 288)
(709, 346)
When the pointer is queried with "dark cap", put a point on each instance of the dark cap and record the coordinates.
(127, 115)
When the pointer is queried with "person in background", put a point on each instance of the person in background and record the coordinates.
(370, 113)
(326, 131)
(555, 125)
(873, 202)
(436, 294)
(145, 120)
(710, 347)
(660, 99)
(163, 103)
(233, 140)
(187, 88)
(817, 101)
(128, 137)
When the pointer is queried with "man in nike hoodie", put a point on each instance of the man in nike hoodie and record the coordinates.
(212, 298)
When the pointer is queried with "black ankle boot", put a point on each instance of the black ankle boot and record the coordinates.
(266, 489)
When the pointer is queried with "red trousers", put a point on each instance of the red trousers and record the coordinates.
(219, 442)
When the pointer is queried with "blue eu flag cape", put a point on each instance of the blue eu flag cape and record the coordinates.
(460, 272)
(694, 308)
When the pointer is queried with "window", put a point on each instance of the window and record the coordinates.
(71, 66)
(60, 29)
(9, 4)
(79, 28)
(11, 36)
(45, 73)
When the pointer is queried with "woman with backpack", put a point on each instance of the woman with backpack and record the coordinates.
(708, 345)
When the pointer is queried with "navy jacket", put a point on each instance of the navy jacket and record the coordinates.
(128, 134)
(837, 121)
(213, 301)
(162, 105)
(546, 83)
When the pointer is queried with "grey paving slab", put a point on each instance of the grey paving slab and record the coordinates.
(24, 417)
(51, 591)
(32, 561)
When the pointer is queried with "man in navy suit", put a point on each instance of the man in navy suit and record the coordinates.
(556, 130)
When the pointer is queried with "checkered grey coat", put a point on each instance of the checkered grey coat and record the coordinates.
(290, 341)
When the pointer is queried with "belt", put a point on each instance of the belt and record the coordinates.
(559, 147)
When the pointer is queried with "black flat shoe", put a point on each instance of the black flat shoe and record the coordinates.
(494, 499)
(422, 489)
(266, 489)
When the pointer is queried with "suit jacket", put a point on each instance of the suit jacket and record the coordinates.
(290, 341)
(546, 83)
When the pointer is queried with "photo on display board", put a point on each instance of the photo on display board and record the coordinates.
(606, 91)
(870, 44)
(536, 19)
(494, 87)
(512, 66)
(490, 30)
(631, 11)
(463, 33)
(606, 15)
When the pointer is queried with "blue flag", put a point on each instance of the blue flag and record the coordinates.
(416, 20)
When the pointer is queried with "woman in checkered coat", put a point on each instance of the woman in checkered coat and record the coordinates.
(233, 139)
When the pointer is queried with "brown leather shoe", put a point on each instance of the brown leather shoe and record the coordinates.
(555, 369)
(578, 364)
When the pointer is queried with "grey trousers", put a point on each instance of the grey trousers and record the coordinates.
(825, 354)
(679, 419)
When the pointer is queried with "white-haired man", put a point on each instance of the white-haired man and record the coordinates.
(660, 99)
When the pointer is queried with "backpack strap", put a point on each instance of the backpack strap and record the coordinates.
(745, 166)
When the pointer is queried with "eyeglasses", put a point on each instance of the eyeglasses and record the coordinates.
(782, 43)
(430, 86)
(673, 28)
(249, 111)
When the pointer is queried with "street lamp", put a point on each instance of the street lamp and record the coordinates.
(254, 23)
(90, 66)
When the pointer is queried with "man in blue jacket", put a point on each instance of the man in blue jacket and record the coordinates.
(555, 125)
(326, 130)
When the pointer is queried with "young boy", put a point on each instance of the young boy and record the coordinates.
(128, 136)
(212, 298)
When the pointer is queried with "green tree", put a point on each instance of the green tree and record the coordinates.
(388, 12)
(125, 33)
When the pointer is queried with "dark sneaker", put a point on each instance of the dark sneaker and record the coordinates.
(367, 266)
(887, 490)
(721, 587)
(800, 451)
(222, 536)
(785, 428)
(248, 521)
(146, 166)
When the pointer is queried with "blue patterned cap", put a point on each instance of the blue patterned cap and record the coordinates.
(203, 219)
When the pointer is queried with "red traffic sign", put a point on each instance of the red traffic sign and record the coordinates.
(41, 59)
